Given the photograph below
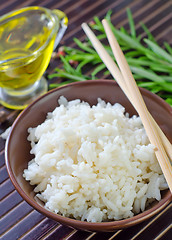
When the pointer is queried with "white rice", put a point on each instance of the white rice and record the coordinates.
(93, 163)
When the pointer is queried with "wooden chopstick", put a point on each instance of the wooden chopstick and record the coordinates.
(114, 45)
(128, 85)
(114, 70)
(150, 128)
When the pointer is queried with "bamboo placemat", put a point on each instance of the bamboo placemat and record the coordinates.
(18, 219)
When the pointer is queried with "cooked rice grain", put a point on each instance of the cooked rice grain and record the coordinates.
(93, 163)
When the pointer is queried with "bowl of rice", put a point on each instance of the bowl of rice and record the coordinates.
(80, 155)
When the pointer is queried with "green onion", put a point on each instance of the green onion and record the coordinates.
(150, 64)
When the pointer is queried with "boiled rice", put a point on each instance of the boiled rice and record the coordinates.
(93, 163)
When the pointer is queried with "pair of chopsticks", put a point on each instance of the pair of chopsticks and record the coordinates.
(124, 78)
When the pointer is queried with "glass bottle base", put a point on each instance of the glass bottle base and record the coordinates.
(21, 99)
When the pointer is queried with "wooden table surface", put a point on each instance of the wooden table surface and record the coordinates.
(18, 219)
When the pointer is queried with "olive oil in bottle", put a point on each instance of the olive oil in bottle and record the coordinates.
(24, 54)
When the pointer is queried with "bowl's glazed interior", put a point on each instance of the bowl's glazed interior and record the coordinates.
(18, 148)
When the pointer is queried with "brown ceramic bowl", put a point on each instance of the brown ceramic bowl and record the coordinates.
(17, 146)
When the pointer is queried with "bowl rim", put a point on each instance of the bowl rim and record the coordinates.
(115, 224)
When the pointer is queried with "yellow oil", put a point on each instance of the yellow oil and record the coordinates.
(24, 56)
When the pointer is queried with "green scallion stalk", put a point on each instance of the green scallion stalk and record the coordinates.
(150, 64)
